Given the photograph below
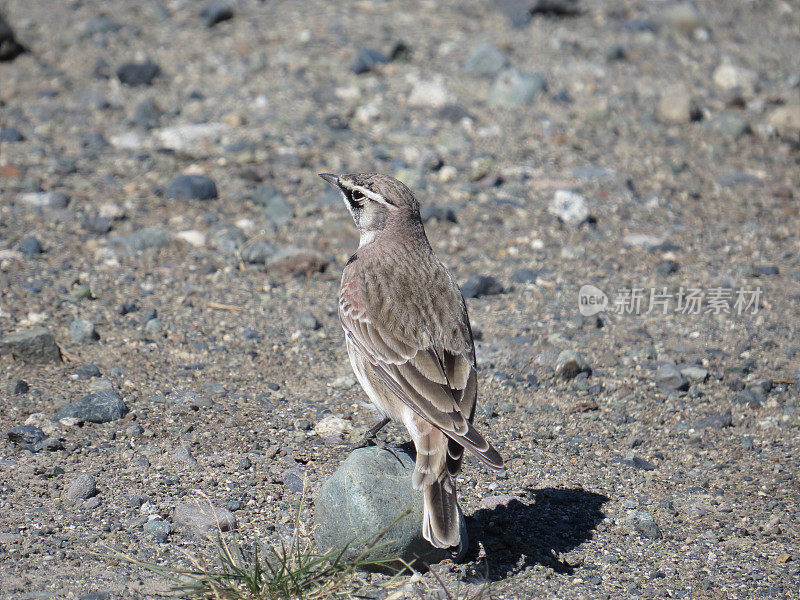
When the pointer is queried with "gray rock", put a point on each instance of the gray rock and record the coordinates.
(35, 345)
(514, 88)
(751, 397)
(98, 225)
(695, 374)
(524, 275)
(11, 134)
(718, 421)
(734, 178)
(30, 246)
(184, 455)
(485, 60)
(203, 518)
(568, 206)
(26, 436)
(763, 386)
(227, 238)
(682, 18)
(667, 267)
(675, 105)
(147, 114)
(367, 59)
(51, 444)
(157, 528)
(82, 487)
(216, 12)
(82, 331)
(669, 378)
(276, 208)
(481, 285)
(189, 399)
(153, 326)
(45, 199)
(307, 320)
(364, 496)
(256, 252)
(191, 187)
(99, 407)
(17, 387)
(642, 522)
(147, 237)
(135, 74)
(101, 24)
(729, 124)
(95, 141)
(569, 364)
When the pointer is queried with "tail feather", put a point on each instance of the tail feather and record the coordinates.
(440, 522)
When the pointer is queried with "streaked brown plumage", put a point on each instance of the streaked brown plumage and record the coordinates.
(408, 336)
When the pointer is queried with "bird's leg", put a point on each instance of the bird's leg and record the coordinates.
(369, 437)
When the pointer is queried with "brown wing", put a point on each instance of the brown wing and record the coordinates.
(434, 378)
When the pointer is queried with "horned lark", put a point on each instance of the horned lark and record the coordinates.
(410, 344)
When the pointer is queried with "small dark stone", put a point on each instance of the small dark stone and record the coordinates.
(134, 74)
(367, 59)
(481, 285)
(9, 47)
(293, 481)
(667, 267)
(191, 187)
(99, 407)
(30, 246)
(127, 307)
(751, 397)
(32, 345)
(18, 387)
(616, 53)
(248, 333)
(94, 141)
(11, 134)
(717, 421)
(98, 225)
(50, 444)
(525, 275)
(307, 320)
(256, 251)
(216, 12)
(669, 378)
(148, 315)
(25, 436)
(766, 270)
(147, 114)
(87, 371)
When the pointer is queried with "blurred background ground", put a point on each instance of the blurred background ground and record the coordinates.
(662, 463)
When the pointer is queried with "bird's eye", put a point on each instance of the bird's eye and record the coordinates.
(357, 196)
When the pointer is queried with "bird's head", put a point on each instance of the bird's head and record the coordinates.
(376, 202)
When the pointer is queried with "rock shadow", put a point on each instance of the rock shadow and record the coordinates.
(519, 534)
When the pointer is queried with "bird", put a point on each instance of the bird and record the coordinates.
(410, 343)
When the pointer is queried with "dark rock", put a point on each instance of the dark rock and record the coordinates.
(766, 270)
(227, 238)
(481, 285)
(26, 436)
(98, 225)
(18, 387)
(669, 378)
(11, 134)
(569, 364)
(100, 407)
(50, 444)
(762, 386)
(216, 12)
(367, 59)
(147, 114)
(525, 275)
(248, 333)
(293, 481)
(87, 371)
(718, 421)
(30, 246)
(642, 522)
(366, 494)
(94, 141)
(9, 47)
(32, 345)
(667, 267)
(134, 74)
(454, 113)
(191, 187)
(751, 397)
(83, 331)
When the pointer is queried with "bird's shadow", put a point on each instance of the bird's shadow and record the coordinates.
(519, 534)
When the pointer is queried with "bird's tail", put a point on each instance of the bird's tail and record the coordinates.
(440, 520)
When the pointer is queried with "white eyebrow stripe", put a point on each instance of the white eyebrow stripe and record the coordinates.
(372, 195)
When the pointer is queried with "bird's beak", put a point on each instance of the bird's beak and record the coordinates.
(330, 178)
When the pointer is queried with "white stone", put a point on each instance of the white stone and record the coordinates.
(192, 237)
(728, 77)
(569, 207)
(429, 93)
(186, 138)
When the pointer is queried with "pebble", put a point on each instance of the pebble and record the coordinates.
(203, 518)
(669, 378)
(332, 429)
(367, 59)
(188, 139)
(642, 522)
(569, 364)
(147, 237)
(101, 24)
(730, 77)
(429, 93)
(17, 387)
(307, 320)
(153, 326)
(11, 134)
(786, 121)
(514, 88)
(667, 267)
(695, 374)
(481, 285)
(682, 17)
(343, 382)
(158, 528)
(45, 199)
(227, 238)
(184, 455)
(295, 261)
(82, 487)
(26, 436)
(717, 421)
(729, 124)
(98, 225)
(193, 237)
(486, 60)
(191, 187)
(216, 12)
(762, 386)
(81, 331)
(136, 74)
(569, 207)
(30, 246)
(750, 397)
(95, 141)
(276, 208)
(10, 48)
(675, 105)
(363, 497)
(37, 345)
(99, 407)
(147, 114)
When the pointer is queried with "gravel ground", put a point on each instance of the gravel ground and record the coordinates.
(633, 145)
